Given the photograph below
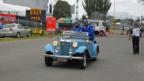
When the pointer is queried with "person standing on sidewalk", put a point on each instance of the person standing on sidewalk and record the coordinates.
(123, 29)
(135, 35)
(107, 30)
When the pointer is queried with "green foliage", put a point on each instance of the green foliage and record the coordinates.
(84, 17)
(62, 10)
(140, 0)
(101, 6)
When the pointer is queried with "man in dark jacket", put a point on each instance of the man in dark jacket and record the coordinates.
(90, 29)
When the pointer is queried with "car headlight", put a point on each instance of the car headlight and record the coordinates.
(75, 44)
(55, 43)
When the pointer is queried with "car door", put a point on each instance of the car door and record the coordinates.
(21, 29)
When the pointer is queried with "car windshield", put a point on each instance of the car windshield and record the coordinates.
(9, 25)
(98, 24)
(75, 35)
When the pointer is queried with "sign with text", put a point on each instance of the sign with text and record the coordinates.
(36, 14)
(51, 24)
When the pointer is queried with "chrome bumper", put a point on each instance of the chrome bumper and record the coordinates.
(65, 57)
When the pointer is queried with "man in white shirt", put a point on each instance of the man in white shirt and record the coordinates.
(135, 33)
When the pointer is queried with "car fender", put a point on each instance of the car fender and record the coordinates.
(80, 50)
(95, 45)
(49, 48)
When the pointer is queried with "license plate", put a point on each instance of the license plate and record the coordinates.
(62, 60)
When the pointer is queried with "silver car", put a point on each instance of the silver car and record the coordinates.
(16, 30)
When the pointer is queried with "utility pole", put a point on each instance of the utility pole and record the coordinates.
(77, 7)
(114, 9)
(113, 22)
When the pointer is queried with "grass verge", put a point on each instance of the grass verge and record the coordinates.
(35, 36)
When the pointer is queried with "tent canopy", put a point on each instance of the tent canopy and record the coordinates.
(19, 10)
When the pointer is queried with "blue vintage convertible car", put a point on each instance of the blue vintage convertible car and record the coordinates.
(71, 46)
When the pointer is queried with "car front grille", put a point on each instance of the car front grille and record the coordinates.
(64, 48)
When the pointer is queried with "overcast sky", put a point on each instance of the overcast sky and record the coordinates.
(132, 7)
(128, 7)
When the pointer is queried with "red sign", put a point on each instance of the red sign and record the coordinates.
(7, 18)
(51, 24)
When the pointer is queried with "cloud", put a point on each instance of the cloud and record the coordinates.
(130, 6)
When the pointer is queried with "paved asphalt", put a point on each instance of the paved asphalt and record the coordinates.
(23, 61)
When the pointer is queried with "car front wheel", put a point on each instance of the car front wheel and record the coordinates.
(48, 61)
(83, 62)
(18, 35)
(98, 51)
(29, 35)
(102, 33)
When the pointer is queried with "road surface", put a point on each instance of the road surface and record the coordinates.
(23, 61)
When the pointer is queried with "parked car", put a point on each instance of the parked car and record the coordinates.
(15, 30)
(71, 46)
(99, 27)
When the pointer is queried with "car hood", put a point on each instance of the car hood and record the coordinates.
(72, 40)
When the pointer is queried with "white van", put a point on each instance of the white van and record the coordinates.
(99, 27)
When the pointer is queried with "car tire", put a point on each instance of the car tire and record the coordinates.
(94, 59)
(96, 33)
(83, 62)
(18, 35)
(48, 61)
(98, 51)
(29, 35)
(102, 33)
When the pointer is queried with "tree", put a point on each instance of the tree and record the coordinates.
(62, 10)
(100, 6)
(84, 17)
(141, 1)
